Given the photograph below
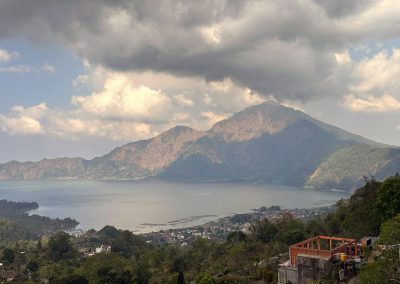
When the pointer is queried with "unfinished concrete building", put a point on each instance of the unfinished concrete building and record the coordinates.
(312, 259)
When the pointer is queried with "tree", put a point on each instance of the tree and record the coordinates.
(236, 237)
(389, 198)
(143, 274)
(8, 255)
(181, 278)
(264, 230)
(382, 270)
(33, 266)
(290, 229)
(205, 279)
(39, 245)
(357, 216)
(390, 231)
(106, 275)
(315, 227)
(60, 247)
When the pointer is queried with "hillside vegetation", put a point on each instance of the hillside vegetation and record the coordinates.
(16, 224)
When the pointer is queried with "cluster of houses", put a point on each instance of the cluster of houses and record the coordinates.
(219, 229)
(87, 252)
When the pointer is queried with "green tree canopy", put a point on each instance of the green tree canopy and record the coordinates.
(390, 231)
(8, 255)
(389, 198)
(60, 247)
(264, 230)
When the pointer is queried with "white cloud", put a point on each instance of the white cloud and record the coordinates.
(211, 35)
(36, 112)
(372, 83)
(46, 67)
(378, 74)
(120, 98)
(24, 120)
(370, 103)
(342, 58)
(76, 128)
(212, 118)
(40, 119)
(28, 69)
(183, 100)
(16, 69)
(20, 125)
(7, 56)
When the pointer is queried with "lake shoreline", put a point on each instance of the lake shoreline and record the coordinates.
(137, 205)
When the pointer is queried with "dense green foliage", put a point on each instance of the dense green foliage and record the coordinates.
(364, 212)
(357, 216)
(383, 269)
(10, 232)
(390, 231)
(60, 247)
(8, 255)
(389, 198)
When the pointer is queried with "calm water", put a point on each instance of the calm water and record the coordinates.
(145, 206)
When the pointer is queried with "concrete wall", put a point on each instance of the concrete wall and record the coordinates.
(287, 274)
(312, 268)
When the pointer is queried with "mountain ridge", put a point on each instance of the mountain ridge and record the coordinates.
(267, 143)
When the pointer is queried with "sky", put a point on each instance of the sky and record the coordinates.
(80, 77)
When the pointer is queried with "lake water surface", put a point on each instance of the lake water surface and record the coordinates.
(144, 206)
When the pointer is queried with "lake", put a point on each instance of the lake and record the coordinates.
(144, 206)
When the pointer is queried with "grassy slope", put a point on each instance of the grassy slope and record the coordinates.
(350, 164)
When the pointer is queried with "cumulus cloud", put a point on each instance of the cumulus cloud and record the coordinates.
(383, 103)
(76, 128)
(377, 74)
(343, 58)
(288, 49)
(41, 120)
(7, 56)
(23, 120)
(373, 85)
(20, 125)
(159, 97)
(119, 98)
(36, 112)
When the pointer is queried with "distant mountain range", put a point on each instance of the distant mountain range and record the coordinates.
(267, 143)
